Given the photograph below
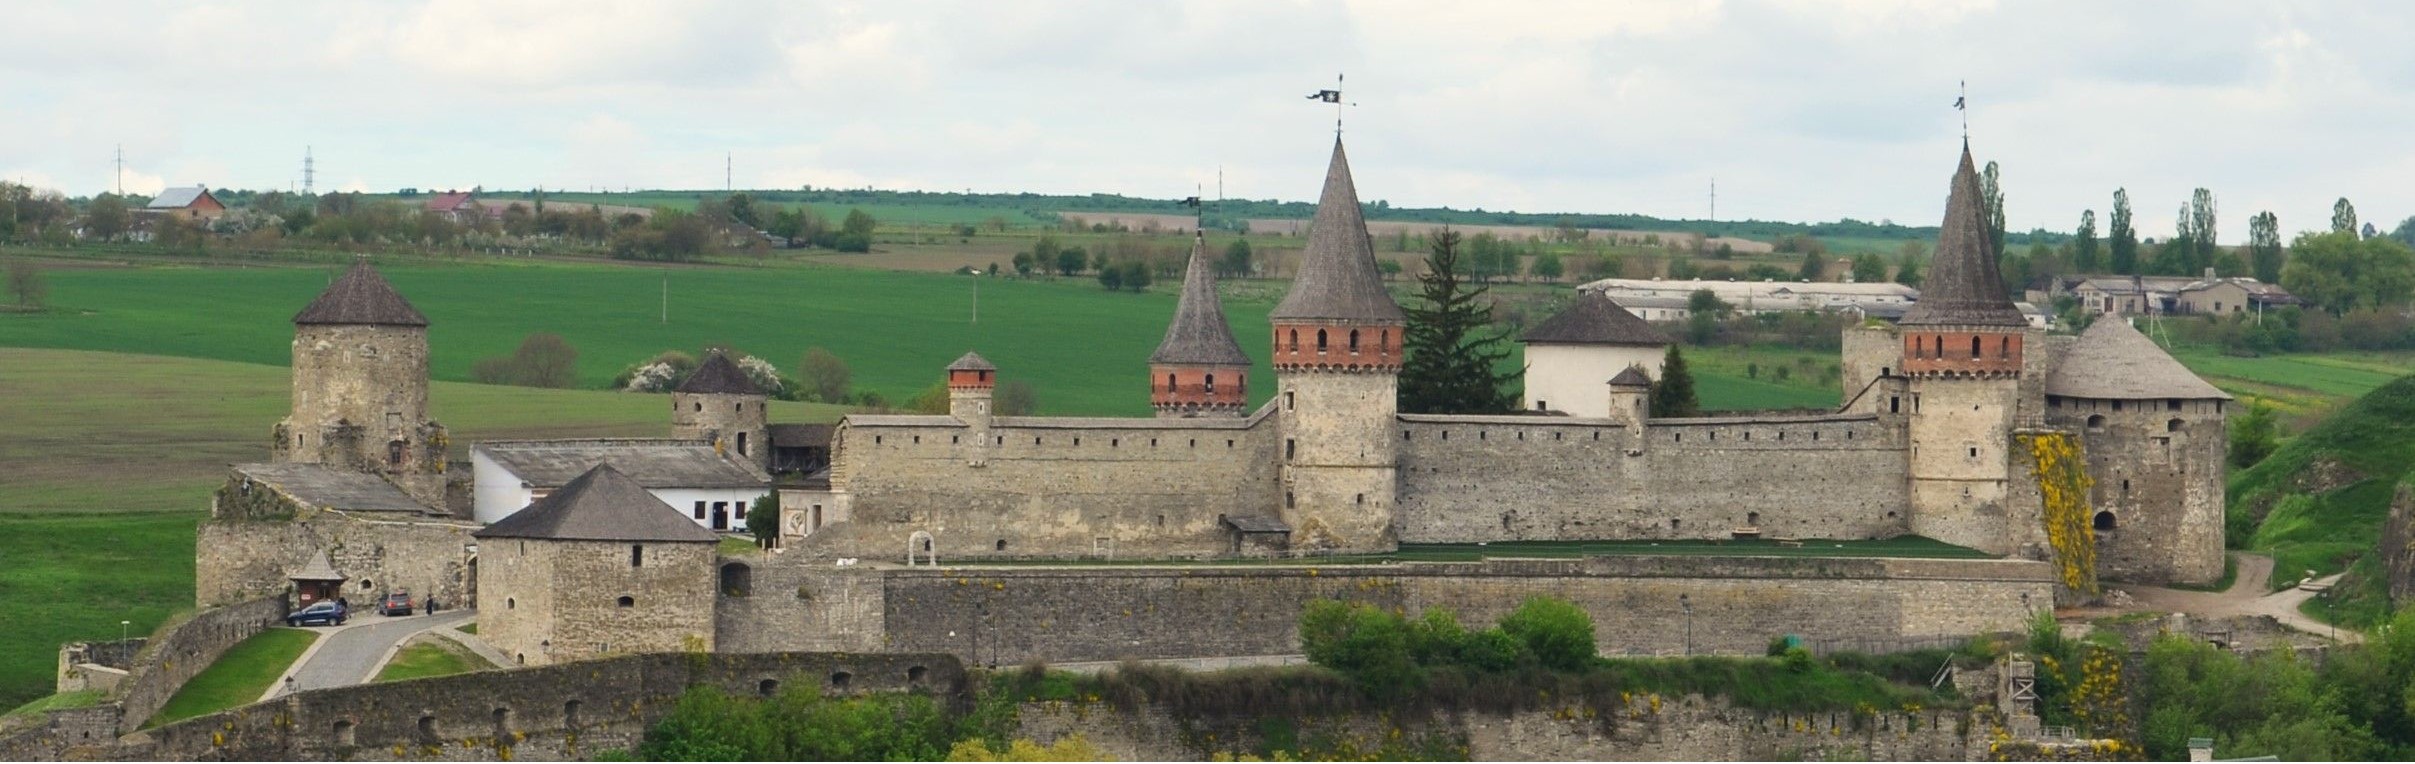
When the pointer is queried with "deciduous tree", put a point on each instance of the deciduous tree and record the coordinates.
(2124, 240)
(2086, 256)
(824, 376)
(26, 283)
(2343, 216)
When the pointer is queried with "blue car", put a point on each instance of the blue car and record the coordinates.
(321, 614)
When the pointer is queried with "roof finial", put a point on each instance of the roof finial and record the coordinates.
(1962, 96)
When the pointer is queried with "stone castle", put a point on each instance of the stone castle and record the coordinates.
(926, 531)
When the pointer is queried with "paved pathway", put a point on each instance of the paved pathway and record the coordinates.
(345, 655)
(2246, 596)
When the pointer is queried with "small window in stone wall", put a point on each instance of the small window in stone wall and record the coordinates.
(626, 601)
(343, 732)
(637, 555)
(428, 733)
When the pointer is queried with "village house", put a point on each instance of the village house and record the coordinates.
(187, 203)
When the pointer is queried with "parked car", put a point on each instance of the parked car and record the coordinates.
(397, 603)
(329, 613)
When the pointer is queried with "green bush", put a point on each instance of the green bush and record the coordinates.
(1559, 634)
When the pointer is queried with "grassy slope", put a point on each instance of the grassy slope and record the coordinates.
(1085, 349)
(2374, 438)
(431, 656)
(239, 676)
(74, 577)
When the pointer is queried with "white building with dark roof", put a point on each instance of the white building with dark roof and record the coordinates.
(701, 484)
(1571, 356)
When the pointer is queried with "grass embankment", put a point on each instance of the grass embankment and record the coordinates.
(239, 677)
(426, 656)
(57, 702)
(2318, 503)
(67, 578)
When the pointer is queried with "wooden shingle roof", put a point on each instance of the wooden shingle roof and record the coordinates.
(1198, 334)
(1338, 279)
(719, 375)
(2112, 361)
(1964, 286)
(361, 296)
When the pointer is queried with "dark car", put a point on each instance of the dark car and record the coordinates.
(398, 603)
(320, 614)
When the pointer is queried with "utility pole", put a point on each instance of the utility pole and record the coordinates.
(310, 173)
(727, 184)
(1714, 200)
(666, 294)
(121, 169)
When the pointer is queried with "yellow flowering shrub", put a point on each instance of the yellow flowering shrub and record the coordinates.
(2063, 484)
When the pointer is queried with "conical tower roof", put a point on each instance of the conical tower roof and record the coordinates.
(1964, 286)
(2112, 361)
(1338, 279)
(1199, 334)
(972, 361)
(361, 296)
(719, 375)
(601, 505)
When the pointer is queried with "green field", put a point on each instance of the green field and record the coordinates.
(2298, 384)
(73, 577)
(239, 677)
(2359, 456)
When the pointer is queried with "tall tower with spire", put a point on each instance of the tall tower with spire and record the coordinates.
(1963, 345)
(360, 387)
(1199, 370)
(1337, 357)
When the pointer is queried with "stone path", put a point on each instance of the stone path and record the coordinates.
(347, 655)
(2245, 597)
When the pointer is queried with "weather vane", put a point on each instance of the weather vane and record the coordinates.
(1334, 97)
(1962, 104)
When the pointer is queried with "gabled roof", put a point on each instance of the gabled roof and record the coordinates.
(1595, 319)
(2113, 361)
(1964, 286)
(801, 435)
(971, 361)
(652, 463)
(1338, 279)
(719, 375)
(361, 296)
(449, 202)
(317, 569)
(1198, 334)
(601, 505)
(178, 198)
(1632, 376)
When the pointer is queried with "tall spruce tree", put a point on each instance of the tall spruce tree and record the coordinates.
(1453, 361)
(1673, 395)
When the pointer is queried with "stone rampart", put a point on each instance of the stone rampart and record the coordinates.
(1641, 728)
(1465, 479)
(1004, 615)
(569, 711)
(238, 559)
(1047, 488)
(169, 658)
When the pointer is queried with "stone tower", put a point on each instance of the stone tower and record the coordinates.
(972, 380)
(1962, 353)
(360, 388)
(720, 404)
(2155, 440)
(1337, 357)
(1199, 370)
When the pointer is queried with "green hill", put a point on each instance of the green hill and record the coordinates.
(2318, 503)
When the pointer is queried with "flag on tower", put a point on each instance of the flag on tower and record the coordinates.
(1327, 96)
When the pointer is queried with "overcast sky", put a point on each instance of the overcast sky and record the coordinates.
(1800, 110)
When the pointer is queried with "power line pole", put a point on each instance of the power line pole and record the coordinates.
(726, 183)
(121, 169)
(310, 173)
(1714, 200)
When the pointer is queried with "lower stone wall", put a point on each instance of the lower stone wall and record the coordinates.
(179, 651)
(241, 559)
(1002, 615)
(1642, 728)
(565, 712)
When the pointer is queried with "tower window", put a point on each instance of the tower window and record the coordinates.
(637, 555)
(626, 601)
(1295, 339)
(1289, 501)
(1354, 340)
(742, 443)
(1974, 347)
(394, 454)
(1320, 340)
(2004, 348)
(1290, 448)
(2105, 521)
(1211, 383)
(1170, 383)
(1920, 347)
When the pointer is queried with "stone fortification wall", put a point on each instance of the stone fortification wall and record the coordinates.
(236, 559)
(1961, 461)
(1642, 728)
(1339, 460)
(565, 712)
(802, 605)
(1006, 615)
(170, 657)
(96, 665)
(1547, 478)
(2159, 470)
(1047, 488)
(549, 601)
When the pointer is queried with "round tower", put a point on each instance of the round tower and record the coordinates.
(719, 404)
(1963, 346)
(1199, 370)
(1337, 356)
(360, 387)
(2155, 439)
